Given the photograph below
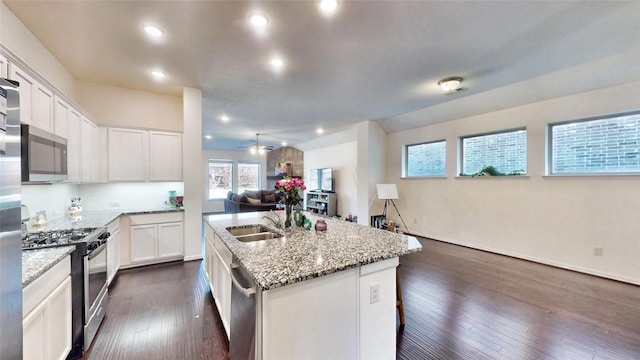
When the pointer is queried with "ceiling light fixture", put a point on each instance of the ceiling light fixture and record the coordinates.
(158, 74)
(208, 137)
(319, 131)
(153, 31)
(328, 6)
(277, 63)
(451, 84)
(284, 143)
(258, 20)
(224, 118)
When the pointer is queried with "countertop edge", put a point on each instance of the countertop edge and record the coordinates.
(38, 261)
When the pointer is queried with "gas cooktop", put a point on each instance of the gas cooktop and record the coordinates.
(56, 237)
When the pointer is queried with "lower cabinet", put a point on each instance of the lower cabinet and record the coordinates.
(113, 250)
(155, 238)
(218, 265)
(47, 321)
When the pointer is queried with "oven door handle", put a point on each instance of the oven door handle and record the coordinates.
(97, 251)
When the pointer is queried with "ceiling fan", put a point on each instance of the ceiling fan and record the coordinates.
(257, 148)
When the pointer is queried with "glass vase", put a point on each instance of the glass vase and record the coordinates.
(287, 220)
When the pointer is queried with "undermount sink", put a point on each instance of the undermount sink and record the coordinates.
(254, 232)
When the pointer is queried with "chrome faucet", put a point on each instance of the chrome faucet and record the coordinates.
(278, 223)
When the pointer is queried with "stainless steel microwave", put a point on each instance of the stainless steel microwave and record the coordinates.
(44, 155)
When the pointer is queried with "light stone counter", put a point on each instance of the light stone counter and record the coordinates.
(37, 262)
(96, 218)
(302, 254)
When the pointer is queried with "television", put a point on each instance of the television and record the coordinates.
(321, 180)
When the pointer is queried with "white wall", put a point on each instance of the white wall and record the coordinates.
(372, 162)
(120, 107)
(343, 159)
(218, 204)
(553, 220)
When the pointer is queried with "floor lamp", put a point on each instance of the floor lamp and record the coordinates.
(388, 193)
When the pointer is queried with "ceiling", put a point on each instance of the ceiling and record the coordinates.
(371, 60)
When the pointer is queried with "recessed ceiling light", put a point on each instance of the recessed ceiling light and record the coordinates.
(208, 137)
(277, 63)
(153, 31)
(258, 20)
(284, 143)
(224, 118)
(328, 6)
(158, 74)
(319, 131)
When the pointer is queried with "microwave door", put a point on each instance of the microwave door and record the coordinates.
(42, 156)
(60, 159)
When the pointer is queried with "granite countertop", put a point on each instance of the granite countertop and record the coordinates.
(96, 218)
(37, 262)
(303, 254)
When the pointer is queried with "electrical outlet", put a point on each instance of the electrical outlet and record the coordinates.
(374, 293)
(597, 251)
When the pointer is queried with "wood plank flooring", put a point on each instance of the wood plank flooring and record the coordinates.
(459, 303)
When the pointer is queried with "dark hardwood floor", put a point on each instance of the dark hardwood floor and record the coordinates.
(459, 303)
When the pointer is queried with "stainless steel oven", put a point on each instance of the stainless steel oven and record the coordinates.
(95, 287)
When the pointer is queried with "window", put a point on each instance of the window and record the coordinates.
(597, 145)
(220, 178)
(426, 159)
(248, 176)
(505, 151)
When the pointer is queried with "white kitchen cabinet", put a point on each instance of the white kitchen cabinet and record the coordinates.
(47, 320)
(155, 238)
(4, 67)
(42, 108)
(141, 155)
(61, 112)
(27, 84)
(165, 156)
(89, 151)
(144, 240)
(128, 153)
(113, 250)
(74, 146)
(218, 265)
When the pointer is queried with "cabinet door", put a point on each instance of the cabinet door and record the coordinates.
(34, 333)
(143, 243)
(113, 255)
(59, 321)
(42, 115)
(170, 240)
(61, 118)
(224, 282)
(27, 85)
(165, 156)
(4, 67)
(74, 145)
(128, 154)
(89, 150)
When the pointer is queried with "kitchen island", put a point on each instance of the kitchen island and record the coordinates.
(318, 295)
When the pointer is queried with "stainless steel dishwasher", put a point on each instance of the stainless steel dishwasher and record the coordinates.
(242, 342)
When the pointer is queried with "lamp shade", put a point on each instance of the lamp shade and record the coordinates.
(387, 191)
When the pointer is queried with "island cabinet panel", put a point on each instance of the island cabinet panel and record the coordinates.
(218, 267)
(313, 319)
(377, 318)
(47, 314)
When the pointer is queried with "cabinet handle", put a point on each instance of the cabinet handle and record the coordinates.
(248, 292)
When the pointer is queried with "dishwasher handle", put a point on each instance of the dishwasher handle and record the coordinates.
(249, 291)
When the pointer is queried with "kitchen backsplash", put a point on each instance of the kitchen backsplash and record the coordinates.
(56, 198)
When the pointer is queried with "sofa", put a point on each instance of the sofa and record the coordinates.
(248, 201)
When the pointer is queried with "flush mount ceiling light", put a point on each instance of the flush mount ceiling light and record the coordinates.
(258, 20)
(328, 6)
(276, 63)
(319, 131)
(224, 118)
(208, 137)
(451, 84)
(284, 143)
(153, 31)
(158, 74)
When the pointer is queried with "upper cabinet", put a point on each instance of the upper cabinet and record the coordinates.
(68, 124)
(140, 155)
(26, 91)
(4, 67)
(90, 151)
(36, 100)
(128, 153)
(165, 156)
